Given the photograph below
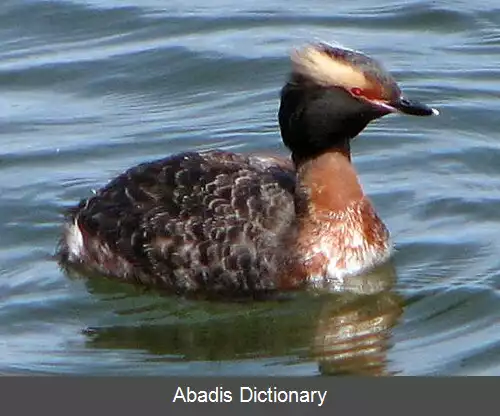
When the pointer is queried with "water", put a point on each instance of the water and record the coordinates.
(89, 88)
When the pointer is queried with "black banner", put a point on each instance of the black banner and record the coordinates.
(242, 396)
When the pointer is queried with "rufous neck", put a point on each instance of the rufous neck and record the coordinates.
(328, 183)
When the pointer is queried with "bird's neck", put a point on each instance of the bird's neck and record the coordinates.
(339, 233)
(327, 184)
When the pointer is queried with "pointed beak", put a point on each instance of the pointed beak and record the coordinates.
(411, 107)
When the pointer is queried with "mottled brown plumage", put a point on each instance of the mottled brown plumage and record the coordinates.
(203, 222)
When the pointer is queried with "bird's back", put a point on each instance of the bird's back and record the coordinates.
(210, 222)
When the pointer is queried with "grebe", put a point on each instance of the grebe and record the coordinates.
(226, 224)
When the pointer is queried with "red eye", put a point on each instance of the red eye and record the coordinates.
(356, 91)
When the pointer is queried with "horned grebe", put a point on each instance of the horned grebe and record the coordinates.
(226, 224)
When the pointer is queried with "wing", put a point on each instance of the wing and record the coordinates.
(209, 222)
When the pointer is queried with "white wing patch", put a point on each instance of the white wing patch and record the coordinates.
(74, 241)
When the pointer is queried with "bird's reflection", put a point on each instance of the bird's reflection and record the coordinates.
(344, 333)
